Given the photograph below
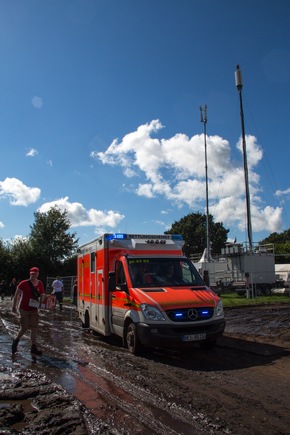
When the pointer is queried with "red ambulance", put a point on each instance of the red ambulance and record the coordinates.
(144, 290)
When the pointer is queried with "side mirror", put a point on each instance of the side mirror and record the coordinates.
(112, 282)
(122, 288)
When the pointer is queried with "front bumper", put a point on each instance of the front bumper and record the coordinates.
(172, 336)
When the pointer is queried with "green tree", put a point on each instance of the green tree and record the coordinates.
(5, 260)
(281, 242)
(69, 266)
(22, 258)
(282, 253)
(51, 242)
(193, 229)
(277, 238)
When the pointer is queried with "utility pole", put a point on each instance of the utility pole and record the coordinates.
(203, 119)
(239, 85)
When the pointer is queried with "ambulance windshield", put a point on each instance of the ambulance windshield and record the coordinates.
(153, 272)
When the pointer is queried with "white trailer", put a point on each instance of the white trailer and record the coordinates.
(241, 269)
(282, 279)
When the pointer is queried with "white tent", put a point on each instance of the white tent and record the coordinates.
(282, 271)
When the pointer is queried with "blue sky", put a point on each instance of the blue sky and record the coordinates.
(99, 113)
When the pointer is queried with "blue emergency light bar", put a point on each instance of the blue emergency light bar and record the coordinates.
(116, 236)
(123, 236)
(119, 236)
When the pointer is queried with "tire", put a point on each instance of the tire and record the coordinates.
(131, 339)
(267, 290)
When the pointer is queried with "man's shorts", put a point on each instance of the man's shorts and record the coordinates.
(58, 297)
(29, 319)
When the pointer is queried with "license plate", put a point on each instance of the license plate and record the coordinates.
(194, 337)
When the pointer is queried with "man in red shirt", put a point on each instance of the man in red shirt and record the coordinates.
(28, 295)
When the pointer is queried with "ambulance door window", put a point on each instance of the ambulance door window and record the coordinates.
(93, 262)
(120, 274)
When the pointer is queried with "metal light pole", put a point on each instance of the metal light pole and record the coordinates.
(203, 119)
(239, 85)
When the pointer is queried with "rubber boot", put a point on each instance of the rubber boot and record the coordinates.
(14, 345)
(35, 351)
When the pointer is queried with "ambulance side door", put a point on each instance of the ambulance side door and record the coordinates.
(119, 300)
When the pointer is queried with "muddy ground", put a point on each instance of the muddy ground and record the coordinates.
(85, 385)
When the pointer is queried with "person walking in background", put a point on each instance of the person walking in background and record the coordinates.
(2, 289)
(57, 287)
(12, 287)
(29, 293)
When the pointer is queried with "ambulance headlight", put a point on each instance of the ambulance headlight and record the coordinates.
(219, 311)
(151, 313)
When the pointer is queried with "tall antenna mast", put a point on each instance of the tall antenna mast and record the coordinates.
(203, 119)
(239, 85)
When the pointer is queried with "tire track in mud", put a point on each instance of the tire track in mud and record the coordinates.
(132, 408)
(120, 403)
(160, 416)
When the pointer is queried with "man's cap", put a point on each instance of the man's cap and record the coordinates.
(34, 270)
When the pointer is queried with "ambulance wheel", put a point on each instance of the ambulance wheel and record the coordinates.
(132, 340)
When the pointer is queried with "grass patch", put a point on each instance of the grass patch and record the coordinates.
(233, 300)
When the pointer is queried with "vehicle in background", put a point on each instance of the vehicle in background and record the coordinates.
(282, 279)
(242, 270)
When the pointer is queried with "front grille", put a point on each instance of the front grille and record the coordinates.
(190, 314)
(196, 329)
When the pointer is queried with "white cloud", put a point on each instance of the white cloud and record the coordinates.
(2, 225)
(232, 211)
(269, 218)
(80, 217)
(145, 190)
(175, 169)
(283, 192)
(18, 193)
(37, 102)
(128, 172)
(31, 152)
(161, 223)
(254, 151)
